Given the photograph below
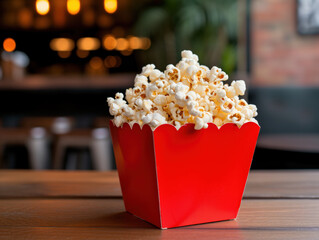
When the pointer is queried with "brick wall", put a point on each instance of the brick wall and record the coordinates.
(279, 55)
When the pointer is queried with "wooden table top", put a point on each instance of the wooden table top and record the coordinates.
(88, 205)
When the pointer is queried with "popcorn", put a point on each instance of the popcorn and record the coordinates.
(185, 93)
(155, 75)
(172, 73)
(146, 71)
(239, 86)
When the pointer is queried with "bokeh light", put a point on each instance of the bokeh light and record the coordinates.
(109, 42)
(146, 43)
(110, 6)
(112, 61)
(135, 42)
(64, 54)
(25, 18)
(82, 54)
(9, 45)
(88, 44)
(122, 44)
(73, 6)
(126, 52)
(62, 44)
(42, 7)
(96, 63)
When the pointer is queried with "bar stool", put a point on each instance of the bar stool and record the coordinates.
(36, 140)
(96, 140)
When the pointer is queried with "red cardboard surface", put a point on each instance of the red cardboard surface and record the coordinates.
(174, 178)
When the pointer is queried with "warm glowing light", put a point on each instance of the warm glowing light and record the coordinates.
(42, 6)
(146, 43)
(135, 42)
(9, 45)
(96, 63)
(25, 18)
(110, 6)
(73, 6)
(81, 53)
(122, 44)
(112, 61)
(62, 44)
(64, 54)
(88, 44)
(109, 42)
(126, 52)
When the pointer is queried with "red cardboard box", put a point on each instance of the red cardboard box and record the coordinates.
(174, 178)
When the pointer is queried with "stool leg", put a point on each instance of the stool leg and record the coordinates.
(58, 155)
(101, 154)
(39, 153)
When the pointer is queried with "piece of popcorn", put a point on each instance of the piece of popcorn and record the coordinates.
(202, 90)
(146, 71)
(114, 109)
(115, 105)
(191, 70)
(253, 109)
(248, 113)
(157, 119)
(160, 100)
(180, 87)
(192, 96)
(128, 111)
(242, 103)
(239, 86)
(141, 81)
(189, 55)
(172, 73)
(219, 113)
(119, 120)
(147, 105)
(194, 109)
(151, 91)
(216, 74)
(155, 75)
(182, 66)
(202, 122)
(228, 106)
(139, 103)
(179, 113)
(215, 85)
(230, 91)
(237, 118)
(218, 121)
(129, 95)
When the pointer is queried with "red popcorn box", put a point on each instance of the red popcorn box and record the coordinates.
(174, 178)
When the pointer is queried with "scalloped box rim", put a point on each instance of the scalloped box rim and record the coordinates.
(184, 125)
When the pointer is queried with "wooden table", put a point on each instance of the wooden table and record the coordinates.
(88, 205)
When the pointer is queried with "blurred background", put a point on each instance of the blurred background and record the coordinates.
(61, 59)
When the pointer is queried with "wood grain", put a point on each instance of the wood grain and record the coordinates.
(141, 234)
(25, 183)
(88, 205)
(282, 184)
(97, 218)
(260, 184)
